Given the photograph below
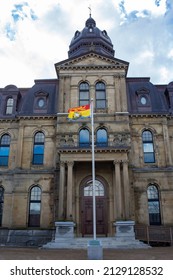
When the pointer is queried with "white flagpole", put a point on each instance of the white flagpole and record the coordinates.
(93, 172)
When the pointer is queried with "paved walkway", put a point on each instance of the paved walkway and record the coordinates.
(155, 253)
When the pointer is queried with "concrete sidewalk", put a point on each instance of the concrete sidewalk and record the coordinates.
(153, 253)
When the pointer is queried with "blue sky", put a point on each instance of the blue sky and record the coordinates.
(35, 35)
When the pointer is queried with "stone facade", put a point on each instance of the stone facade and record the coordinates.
(123, 165)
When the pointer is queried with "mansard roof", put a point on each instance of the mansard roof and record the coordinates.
(154, 100)
(26, 100)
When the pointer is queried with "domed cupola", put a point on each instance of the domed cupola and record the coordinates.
(90, 39)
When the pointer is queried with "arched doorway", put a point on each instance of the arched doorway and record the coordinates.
(87, 208)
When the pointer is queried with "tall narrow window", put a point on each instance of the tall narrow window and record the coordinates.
(84, 96)
(100, 95)
(38, 149)
(35, 207)
(153, 205)
(148, 147)
(4, 149)
(9, 107)
(84, 138)
(1, 203)
(102, 137)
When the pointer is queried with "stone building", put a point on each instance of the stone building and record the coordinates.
(46, 161)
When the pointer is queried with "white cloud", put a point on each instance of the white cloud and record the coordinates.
(34, 35)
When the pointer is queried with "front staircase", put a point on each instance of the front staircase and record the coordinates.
(82, 243)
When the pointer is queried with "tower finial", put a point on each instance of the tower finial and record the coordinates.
(90, 10)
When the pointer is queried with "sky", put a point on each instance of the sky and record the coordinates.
(36, 34)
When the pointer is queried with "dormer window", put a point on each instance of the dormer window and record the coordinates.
(143, 100)
(41, 102)
(9, 106)
(90, 29)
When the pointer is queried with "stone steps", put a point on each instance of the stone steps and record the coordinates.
(82, 243)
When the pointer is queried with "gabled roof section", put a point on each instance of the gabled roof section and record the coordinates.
(92, 60)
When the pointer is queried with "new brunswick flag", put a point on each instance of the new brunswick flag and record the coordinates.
(79, 112)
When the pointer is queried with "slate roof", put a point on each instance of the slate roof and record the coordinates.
(142, 87)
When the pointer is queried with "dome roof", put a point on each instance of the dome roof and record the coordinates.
(91, 38)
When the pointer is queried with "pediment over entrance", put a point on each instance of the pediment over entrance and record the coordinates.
(92, 60)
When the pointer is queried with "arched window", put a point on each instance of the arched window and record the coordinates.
(100, 95)
(148, 147)
(99, 188)
(84, 137)
(9, 106)
(153, 205)
(1, 203)
(4, 149)
(34, 207)
(102, 138)
(84, 96)
(38, 149)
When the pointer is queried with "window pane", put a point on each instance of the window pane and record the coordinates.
(101, 104)
(84, 86)
(35, 208)
(148, 147)
(5, 140)
(37, 159)
(4, 155)
(153, 205)
(101, 137)
(149, 158)
(84, 137)
(39, 137)
(84, 95)
(83, 102)
(147, 136)
(35, 193)
(152, 192)
(4, 151)
(9, 108)
(39, 149)
(100, 86)
(99, 189)
(100, 94)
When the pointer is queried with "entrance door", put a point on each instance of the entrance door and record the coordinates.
(87, 209)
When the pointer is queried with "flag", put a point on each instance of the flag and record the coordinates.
(79, 112)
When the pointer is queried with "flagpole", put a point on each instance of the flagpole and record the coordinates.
(93, 171)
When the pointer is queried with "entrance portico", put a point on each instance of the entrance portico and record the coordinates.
(111, 173)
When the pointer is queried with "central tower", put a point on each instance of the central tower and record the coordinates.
(91, 38)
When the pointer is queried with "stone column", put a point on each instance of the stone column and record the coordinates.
(126, 190)
(118, 191)
(20, 146)
(61, 191)
(69, 189)
(117, 93)
(123, 91)
(167, 144)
